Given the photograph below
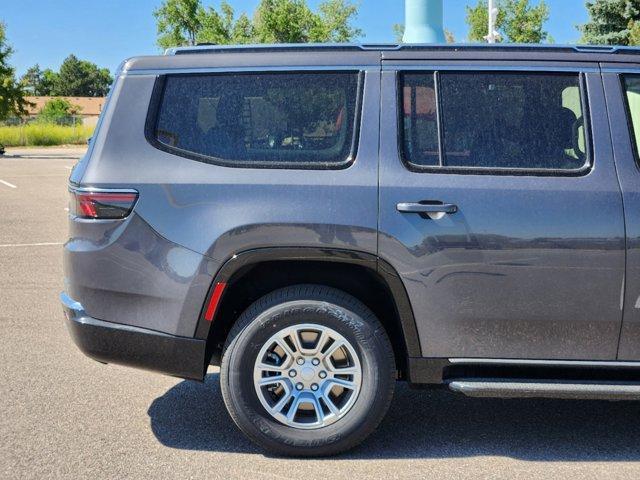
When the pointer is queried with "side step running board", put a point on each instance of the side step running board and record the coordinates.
(514, 388)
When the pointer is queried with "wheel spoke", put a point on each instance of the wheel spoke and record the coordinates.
(295, 338)
(273, 380)
(332, 349)
(343, 383)
(330, 405)
(344, 370)
(322, 339)
(318, 408)
(294, 408)
(277, 408)
(267, 367)
(285, 346)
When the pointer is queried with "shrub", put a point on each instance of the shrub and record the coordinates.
(60, 111)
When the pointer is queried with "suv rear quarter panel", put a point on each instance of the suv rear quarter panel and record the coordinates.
(211, 212)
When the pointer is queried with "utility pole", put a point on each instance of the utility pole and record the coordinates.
(493, 35)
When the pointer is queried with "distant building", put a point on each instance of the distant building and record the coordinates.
(90, 107)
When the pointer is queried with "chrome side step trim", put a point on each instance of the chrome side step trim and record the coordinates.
(542, 363)
(484, 388)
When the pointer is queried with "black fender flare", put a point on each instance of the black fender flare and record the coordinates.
(387, 273)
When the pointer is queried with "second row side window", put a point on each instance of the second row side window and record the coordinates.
(493, 120)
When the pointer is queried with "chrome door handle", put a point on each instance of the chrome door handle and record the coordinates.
(427, 208)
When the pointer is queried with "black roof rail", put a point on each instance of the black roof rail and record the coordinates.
(344, 47)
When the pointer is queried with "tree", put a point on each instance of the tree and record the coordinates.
(612, 22)
(80, 78)
(12, 93)
(39, 82)
(518, 21)
(188, 22)
(178, 22)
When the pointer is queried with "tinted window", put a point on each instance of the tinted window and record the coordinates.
(632, 93)
(420, 120)
(496, 120)
(266, 119)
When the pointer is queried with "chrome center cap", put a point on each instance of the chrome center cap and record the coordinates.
(308, 373)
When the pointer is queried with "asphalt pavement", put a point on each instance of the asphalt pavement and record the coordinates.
(64, 415)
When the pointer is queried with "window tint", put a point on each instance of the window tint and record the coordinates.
(420, 120)
(632, 92)
(495, 120)
(266, 119)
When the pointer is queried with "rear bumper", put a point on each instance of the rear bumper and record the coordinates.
(109, 342)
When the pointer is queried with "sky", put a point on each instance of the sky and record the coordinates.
(108, 31)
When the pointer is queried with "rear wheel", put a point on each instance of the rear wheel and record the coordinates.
(307, 371)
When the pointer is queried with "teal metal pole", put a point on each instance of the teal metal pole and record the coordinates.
(423, 21)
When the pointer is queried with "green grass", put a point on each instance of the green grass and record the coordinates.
(44, 134)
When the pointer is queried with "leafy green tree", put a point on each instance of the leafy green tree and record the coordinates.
(12, 93)
(178, 22)
(80, 78)
(188, 22)
(518, 21)
(223, 27)
(634, 32)
(612, 22)
(39, 82)
(31, 80)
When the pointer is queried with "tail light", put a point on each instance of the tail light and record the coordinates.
(102, 204)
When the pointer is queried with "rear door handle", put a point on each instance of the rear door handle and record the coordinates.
(427, 207)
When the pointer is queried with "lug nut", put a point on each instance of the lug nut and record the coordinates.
(314, 387)
(300, 361)
(315, 361)
(299, 386)
(292, 373)
(322, 374)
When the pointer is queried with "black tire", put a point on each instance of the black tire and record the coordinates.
(331, 308)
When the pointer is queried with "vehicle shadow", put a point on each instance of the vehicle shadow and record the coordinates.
(429, 424)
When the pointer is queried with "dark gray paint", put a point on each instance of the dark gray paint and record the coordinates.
(213, 211)
(124, 272)
(629, 176)
(529, 266)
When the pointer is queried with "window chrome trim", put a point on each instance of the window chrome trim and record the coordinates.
(539, 172)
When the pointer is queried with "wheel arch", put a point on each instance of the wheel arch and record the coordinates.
(243, 270)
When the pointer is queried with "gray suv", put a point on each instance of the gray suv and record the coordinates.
(323, 221)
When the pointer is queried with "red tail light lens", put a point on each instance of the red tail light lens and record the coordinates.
(102, 205)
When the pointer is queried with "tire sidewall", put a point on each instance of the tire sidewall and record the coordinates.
(239, 362)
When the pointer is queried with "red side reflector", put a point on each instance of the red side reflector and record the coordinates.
(214, 301)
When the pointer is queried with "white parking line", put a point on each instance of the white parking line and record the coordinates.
(42, 244)
(11, 185)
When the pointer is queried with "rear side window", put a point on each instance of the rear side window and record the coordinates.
(632, 93)
(493, 121)
(294, 120)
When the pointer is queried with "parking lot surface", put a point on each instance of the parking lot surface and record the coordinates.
(64, 415)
